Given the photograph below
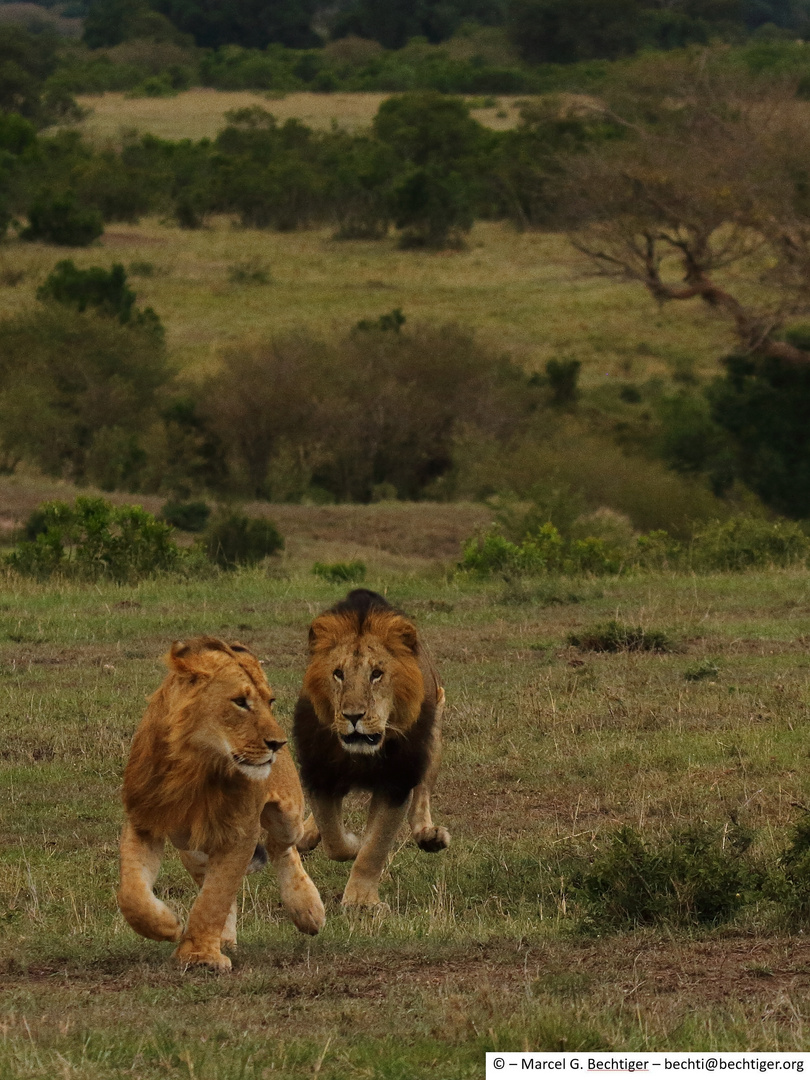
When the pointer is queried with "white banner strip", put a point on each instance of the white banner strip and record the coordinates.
(564, 1066)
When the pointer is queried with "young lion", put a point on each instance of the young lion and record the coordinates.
(209, 770)
(369, 717)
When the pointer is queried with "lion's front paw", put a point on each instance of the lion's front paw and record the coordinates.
(360, 894)
(187, 954)
(307, 911)
(433, 839)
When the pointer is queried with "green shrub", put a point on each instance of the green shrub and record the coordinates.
(543, 551)
(489, 553)
(795, 865)
(657, 550)
(105, 290)
(615, 636)
(742, 542)
(699, 876)
(190, 516)
(60, 219)
(236, 540)
(92, 540)
(563, 378)
(80, 392)
(339, 572)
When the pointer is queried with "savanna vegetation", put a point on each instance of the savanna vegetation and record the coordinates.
(538, 369)
(629, 858)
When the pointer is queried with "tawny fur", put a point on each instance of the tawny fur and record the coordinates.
(369, 718)
(209, 770)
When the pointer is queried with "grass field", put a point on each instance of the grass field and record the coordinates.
(548, 750)
(527, 293)
(200, 113)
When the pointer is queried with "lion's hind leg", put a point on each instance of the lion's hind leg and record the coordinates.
(429, 837)
(140, 863)
(311, 836)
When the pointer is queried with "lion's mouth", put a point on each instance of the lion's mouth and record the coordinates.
(359, 737)
(254, 764)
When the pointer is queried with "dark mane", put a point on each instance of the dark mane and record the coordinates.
(361, 603)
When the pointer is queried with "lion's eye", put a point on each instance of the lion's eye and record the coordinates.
(376, 675)
(241, 702)
(338, 673)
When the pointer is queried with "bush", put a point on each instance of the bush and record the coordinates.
(795, 865)
(92, 540)
(563, 379)
(615, 636)
(297, 416)
(79, 392)
(699, 876)
(340, 572)
(742, 543)
(60, 219)
(543, 551)
(105, 290)
(236, 540)
(189, 516)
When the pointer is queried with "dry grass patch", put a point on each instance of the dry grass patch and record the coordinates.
(200, 113)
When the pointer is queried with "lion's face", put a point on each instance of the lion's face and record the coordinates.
(364, 685)
(230, 708)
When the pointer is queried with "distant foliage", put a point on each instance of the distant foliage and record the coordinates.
(340, 572)
(543, 551)
(736, 544)
(234, 539)
(93, 539)
(79, 392)
(104, 290)
(762, 405)
(748, 543)
(299, 418)
(563, 378)
(189, 516)
(62, 220)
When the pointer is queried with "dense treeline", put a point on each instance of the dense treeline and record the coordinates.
(556, 30)
(158, 47)
(426, 166)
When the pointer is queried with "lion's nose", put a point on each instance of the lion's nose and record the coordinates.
(354, 717)
(275, 744)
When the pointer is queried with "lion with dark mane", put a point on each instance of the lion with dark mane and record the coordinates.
(209, 770)
(368, 718)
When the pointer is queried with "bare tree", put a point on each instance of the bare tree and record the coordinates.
(707, 195)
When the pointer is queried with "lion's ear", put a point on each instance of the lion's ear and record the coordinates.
(322, 633)
(406, 633)
(193, 658)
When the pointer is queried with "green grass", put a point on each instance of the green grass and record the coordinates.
(548, 750)
(528, 294)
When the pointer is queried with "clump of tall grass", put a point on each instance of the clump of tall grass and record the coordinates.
(615, 636)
